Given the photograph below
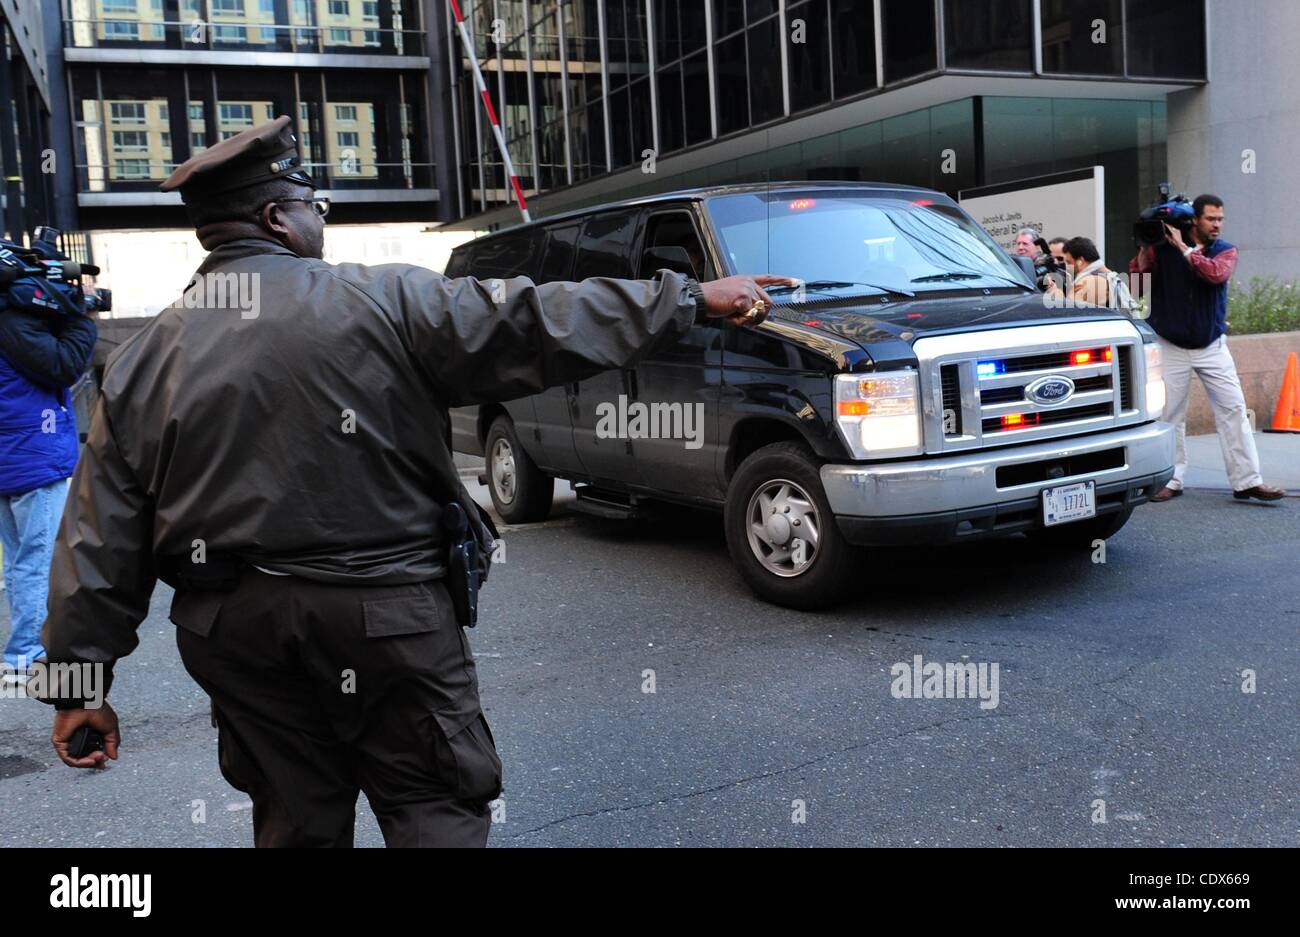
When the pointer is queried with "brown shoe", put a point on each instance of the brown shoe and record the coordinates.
(1166, 494)
(1260, 493)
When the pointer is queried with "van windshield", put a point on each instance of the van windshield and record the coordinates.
(860, 242)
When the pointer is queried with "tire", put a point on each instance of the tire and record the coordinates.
(521, 492)
(783, 480)
(1081, 535)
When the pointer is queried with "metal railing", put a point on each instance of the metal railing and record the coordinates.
(213, 35)
(358, 174)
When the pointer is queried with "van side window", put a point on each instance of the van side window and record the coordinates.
(510, 256)
(673, 229)
(458, 263)
(605, 248)
(557, 258)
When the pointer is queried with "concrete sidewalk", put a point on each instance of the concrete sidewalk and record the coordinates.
(1279, 458)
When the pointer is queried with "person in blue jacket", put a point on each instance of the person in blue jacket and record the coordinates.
(41, 356)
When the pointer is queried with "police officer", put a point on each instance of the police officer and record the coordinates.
(276, 445)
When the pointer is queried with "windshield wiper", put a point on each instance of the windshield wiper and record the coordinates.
(836, 285)
(967, 275)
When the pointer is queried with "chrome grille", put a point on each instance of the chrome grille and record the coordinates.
(966, 406)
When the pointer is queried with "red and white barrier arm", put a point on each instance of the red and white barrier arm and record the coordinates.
(487, 104)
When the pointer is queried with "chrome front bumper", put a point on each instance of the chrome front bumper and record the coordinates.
(947, 497)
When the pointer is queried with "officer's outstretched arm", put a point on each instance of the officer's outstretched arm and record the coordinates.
(486, 340)
(102, 574)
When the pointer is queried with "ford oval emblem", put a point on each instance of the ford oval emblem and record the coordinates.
(1049, 391)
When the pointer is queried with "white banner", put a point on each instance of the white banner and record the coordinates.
(1068, 204)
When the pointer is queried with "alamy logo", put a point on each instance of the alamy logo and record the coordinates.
(932, 680)
(102, 891)
(215, 290)
(657, 420)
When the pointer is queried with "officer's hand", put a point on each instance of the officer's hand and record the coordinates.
(733, 297)
(103, 720)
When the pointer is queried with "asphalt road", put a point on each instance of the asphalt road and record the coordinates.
(1118, 682)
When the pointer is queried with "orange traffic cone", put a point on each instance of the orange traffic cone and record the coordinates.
(1287, 417)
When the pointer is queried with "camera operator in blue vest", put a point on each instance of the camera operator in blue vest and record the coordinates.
(46, 340)
(1189, 312)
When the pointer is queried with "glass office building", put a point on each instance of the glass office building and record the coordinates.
(27, 158)
(153, 82)
(605, 99)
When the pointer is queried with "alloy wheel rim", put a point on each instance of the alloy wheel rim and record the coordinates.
(503, 471)
(781, 516)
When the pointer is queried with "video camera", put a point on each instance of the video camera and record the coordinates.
(1173, 210)
(43, 280)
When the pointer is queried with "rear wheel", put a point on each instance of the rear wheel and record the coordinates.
(521, 492)
(781, 533)
(1081, 535)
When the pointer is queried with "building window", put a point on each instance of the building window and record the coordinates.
(341, 36)
(370, 37)
(853, 42)
(116, 30)
(229, 33)
(349, 139)
(198, 141)
(338, 7)
(910, 38)
(733, 84)
(236, 113)
(130, 140)
(228, 7)
(344, 112)
(765, 99)
(131, 168)
(127, 112)
(196, 111)
(1166, 39)
(989, 34)
(1083, 37)
(119, 6)
(369, 9)
(810, 56)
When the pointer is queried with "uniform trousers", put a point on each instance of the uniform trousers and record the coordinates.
(322, 691)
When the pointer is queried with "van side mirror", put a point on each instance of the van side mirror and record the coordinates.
(1026, 264)
(673, 257)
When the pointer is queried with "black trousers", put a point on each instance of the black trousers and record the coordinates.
(322, 691)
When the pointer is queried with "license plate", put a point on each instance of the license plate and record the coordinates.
(1069, 503)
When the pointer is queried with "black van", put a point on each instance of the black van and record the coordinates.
(916, 389)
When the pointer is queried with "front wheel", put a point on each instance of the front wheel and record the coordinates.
(781, 533)
(521, 492)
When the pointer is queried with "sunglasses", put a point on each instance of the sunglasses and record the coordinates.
(320, 205)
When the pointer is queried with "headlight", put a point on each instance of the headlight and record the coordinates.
(879, 415)
(1155, 382)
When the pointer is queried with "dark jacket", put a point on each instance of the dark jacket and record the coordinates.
(1189, 297)
(41, 356)
(311, 437)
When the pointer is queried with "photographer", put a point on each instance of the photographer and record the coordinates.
(1189, 312)
(1091, 280)
(45, 347)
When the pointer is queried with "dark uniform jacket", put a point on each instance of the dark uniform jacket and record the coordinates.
(308, 434)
